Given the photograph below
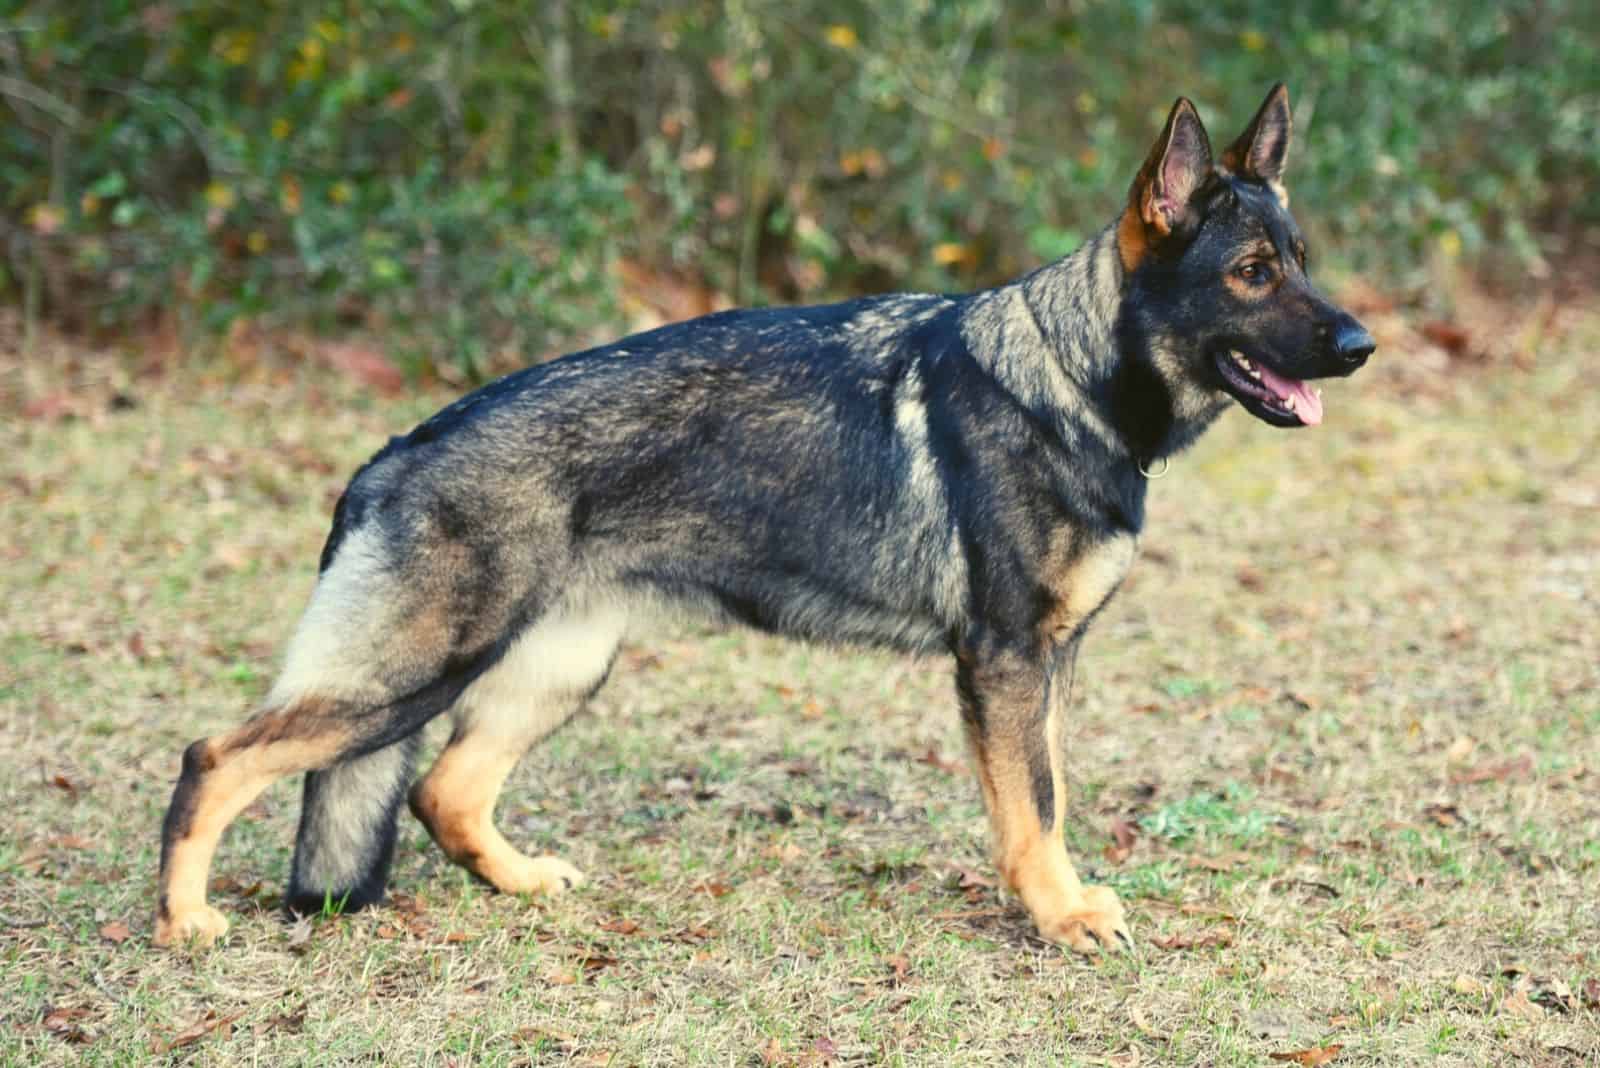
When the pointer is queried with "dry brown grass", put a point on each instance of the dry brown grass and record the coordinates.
(1348, 702)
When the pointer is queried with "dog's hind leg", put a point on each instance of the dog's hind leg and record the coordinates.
(220, 777)
(371, 661)
(1013, 708)
(545, 677)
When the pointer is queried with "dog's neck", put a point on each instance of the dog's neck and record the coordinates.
(1056, 339)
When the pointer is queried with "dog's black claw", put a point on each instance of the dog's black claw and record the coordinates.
(1125, 939)
(566, 882)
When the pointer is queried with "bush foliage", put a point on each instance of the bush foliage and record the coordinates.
(464, 176)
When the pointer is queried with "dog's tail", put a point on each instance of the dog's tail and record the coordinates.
(346, 840)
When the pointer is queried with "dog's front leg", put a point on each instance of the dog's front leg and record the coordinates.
(1014, 708)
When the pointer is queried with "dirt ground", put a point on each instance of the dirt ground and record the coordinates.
(1337, 745)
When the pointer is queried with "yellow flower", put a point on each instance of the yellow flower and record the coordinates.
(235, 46)
(220, 196)
(841, 36)
(256, 242)
(951, 252)
(1450, 244)
(341, 192)
(280, 128)
(1253, 40)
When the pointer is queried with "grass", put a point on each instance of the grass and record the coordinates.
(1347, 705)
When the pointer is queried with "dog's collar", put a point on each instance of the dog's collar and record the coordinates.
(1159, 472)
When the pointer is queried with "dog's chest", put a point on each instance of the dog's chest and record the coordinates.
(1083, 577)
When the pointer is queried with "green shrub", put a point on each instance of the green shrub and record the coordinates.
(463, 176)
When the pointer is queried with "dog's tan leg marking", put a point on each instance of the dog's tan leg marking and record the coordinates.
(221, 776)
(1015, 715)
(1018, 756)
(1029, 852)
(543, 679)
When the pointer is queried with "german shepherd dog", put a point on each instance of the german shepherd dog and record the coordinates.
(915, 472)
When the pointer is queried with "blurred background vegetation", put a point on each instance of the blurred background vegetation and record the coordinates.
(481, 181)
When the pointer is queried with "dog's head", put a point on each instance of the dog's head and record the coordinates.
(1218, 294)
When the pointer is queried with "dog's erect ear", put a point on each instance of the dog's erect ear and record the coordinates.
(1178, 165)
(1261, 150)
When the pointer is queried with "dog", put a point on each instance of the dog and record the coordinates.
(917, 472)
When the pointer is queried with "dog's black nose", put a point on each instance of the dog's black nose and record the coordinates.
(1352, 343)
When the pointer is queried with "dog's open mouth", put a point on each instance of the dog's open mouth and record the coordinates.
(1268, 395)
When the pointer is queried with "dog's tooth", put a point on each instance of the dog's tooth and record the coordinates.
(1318, 391)
(1289, 403)
(1255, 374)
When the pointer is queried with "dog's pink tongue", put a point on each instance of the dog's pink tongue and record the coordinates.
(1307, 405)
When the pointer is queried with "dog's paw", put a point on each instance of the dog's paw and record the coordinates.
(201, 925)
(1093, 924)
(537, 875)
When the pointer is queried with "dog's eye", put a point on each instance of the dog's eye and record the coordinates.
(1253, 272)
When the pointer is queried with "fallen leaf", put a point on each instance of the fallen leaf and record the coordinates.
(934, 760)
(388, 931)
(196, 1031)
(457, 936)
(534, 1034)
(1591, 993)
(1220, 862)
(116, 931)
(1448, 336)
(1517, 1004)
(1215, 938)
(61, 782)
(1444, 815)
(711, 888)
(293, 1022)
(696, 934)
(784, 852)
(899, 968)
(61, 1023)
(972, 882)
(1466, 984)
(772, 1052)
(1520, 767)
(825, 1047)
(1460, 749)
(619, 926)
(1123, 837)
(70, 841)
(594, 963)
(1311, 1057)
